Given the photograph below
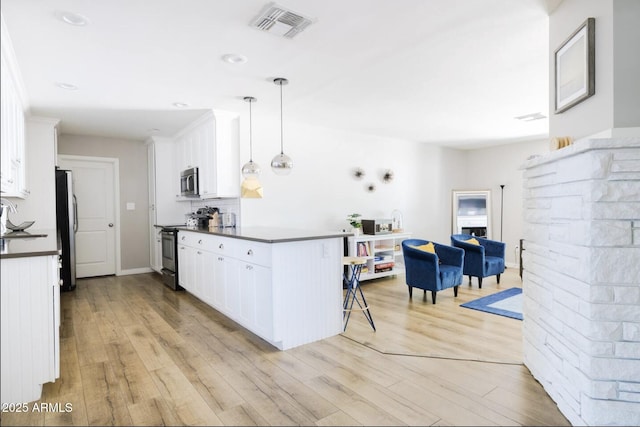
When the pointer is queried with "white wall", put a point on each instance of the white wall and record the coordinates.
(615, 104)
(321, 191)
(487, 169)
(134, 224)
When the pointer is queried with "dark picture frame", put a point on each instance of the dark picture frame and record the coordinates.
(575, 67)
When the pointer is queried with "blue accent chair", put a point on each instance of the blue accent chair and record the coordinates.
(483, 260)
(432, 272)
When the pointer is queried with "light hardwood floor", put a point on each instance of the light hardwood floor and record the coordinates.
(135, 353)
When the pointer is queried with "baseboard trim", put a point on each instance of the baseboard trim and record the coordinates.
(134, 271)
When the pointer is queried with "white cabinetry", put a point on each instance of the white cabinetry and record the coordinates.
(163, 208)
(30, 338)
(13, 175)
(186, 263)
(211, 144)
(287, 293)
(383, 253)
(233, 276)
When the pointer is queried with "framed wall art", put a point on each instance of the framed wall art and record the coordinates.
(575, 67)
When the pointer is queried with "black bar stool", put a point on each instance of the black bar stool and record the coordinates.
(352, 280)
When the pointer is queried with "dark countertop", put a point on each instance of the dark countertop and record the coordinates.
(30, 246)
(268, 234)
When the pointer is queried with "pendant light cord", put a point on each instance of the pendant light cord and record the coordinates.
(250, 133)
(281, 126)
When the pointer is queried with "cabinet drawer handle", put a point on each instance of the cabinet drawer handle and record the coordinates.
(182, 237)
(199, 253)
(250, 252)
(249, 267)
(200, 241)
(221, 246)
(220, 258)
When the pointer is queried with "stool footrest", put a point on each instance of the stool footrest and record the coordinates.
(356, 309)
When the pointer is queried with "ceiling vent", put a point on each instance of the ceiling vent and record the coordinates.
(277, 20)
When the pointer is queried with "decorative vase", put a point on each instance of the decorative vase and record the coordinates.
(355, 231)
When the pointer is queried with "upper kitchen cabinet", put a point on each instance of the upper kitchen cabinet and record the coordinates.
(211, 144)
(13, 176)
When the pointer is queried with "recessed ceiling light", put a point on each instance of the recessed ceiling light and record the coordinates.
(234, 58)
(180, 104)
(66, 86)
(72, 18)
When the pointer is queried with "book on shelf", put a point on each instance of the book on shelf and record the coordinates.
(362, 249)
(385, 265)
(384, 270)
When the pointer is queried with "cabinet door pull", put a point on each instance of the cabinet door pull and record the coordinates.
(182, 237)
(199, 253)
(249, 267)
(200, 241)
(250, 252)
(220, 258)
(221, 246)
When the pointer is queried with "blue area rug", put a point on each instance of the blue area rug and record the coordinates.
(506, 303)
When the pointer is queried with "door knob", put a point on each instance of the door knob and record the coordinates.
(110, 224)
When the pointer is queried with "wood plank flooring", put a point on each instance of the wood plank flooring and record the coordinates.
(134, 352)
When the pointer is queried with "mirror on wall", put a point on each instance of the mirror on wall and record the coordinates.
(472, 212)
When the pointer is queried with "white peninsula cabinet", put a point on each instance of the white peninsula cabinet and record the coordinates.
(286, 289)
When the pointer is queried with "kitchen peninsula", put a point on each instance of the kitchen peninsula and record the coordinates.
(284, 285)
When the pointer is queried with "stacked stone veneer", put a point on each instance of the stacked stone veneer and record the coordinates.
(581, 328)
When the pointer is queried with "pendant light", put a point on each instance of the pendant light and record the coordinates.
(281, 163)
(250, 169)
(251, 187)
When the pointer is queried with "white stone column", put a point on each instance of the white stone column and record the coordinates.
(581, 279)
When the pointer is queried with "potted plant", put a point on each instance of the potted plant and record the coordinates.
(356, 225)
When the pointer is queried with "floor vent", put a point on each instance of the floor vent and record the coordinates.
(277, 20)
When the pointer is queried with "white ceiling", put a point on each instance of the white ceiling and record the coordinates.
(449, 72)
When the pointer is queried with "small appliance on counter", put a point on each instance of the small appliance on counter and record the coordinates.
(228, 219)
(201, 217)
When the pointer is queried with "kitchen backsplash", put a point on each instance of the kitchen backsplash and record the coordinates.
(223, 205)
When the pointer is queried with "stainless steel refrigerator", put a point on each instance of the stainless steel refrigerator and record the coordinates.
(66, 217)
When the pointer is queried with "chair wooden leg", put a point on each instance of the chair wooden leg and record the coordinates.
(433, 296)
(480, 282)
(410, 292)
(455, 291)
(498, 277)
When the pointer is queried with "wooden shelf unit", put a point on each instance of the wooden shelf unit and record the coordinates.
(379, 249)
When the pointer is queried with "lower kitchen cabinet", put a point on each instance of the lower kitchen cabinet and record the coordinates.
(204, 275)
(287, 293)
(186, 266)
(30, 327)
(256, 302)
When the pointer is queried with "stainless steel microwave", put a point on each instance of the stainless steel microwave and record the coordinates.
(189, 183)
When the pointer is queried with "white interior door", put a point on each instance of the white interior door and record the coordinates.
(94, 188)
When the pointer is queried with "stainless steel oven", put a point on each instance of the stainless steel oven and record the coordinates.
(170, 258)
